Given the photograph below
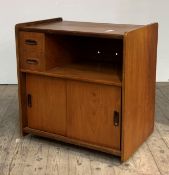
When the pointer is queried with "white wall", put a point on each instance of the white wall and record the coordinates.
(113, 11)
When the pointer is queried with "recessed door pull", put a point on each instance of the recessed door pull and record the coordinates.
(29, 98)
(116, 118)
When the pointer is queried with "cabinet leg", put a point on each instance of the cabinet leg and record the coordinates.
(22, 133)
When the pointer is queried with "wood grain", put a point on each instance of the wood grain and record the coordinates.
(83, 28)
(90, 113)
(21, 155)
(37, 155)
(48, 111)
(160, 151)
(83, 72)
(8, 126)
(119, 56)
(58, 50)
(6, 94)
(31, 52)
(72, 141)
(138, 87)
(58, 159)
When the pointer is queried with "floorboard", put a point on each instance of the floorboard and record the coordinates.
(38, 156)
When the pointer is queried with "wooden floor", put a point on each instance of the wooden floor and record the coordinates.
(34, 155)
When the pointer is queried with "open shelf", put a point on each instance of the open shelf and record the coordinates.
(83, 58)
(85, 72)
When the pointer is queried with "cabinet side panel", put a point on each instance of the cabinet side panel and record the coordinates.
(139, 75)
(21, 86)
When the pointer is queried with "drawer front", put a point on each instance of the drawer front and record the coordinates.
(31, 49)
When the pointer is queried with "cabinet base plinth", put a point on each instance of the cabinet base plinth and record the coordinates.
(71, 141)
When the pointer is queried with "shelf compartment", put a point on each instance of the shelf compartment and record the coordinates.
(84, 72)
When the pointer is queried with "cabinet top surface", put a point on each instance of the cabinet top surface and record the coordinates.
(74, 27)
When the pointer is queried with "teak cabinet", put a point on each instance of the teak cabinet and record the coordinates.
(88, 84)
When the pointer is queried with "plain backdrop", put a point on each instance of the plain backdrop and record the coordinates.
(111, 11)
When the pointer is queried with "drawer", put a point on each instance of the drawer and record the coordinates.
(31, 50)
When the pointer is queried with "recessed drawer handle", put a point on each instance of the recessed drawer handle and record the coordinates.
(30, 42)
(32, 61)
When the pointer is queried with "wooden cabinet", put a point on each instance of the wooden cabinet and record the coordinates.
(87, 84)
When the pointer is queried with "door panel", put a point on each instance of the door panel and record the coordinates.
(91, 110)
(47, 111)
